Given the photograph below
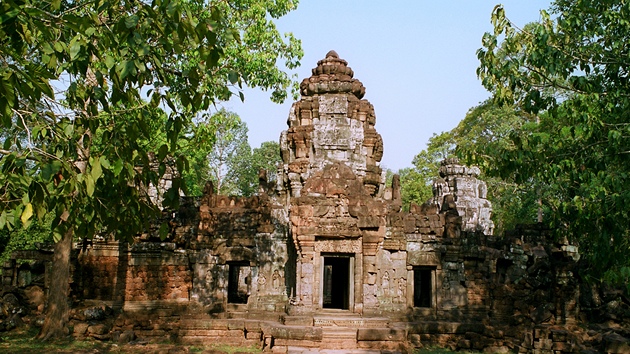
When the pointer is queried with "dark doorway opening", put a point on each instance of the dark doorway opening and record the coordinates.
(422, 287)
(336, 294)
(239, 278)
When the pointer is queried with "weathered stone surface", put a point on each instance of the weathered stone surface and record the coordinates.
(615, 343)
(80, 329)
(98, 329)
(297, 332)
(381, 334)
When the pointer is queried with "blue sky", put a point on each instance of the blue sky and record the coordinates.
(417, 60)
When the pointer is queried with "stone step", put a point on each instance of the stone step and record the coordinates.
(339, 338)
(237, 314)
(339, 333)
(303, 350)
(350, 321)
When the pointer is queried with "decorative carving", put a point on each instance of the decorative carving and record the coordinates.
(385, 284)
(276, 280)
(338, 246)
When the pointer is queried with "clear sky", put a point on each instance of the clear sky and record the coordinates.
(416, 58)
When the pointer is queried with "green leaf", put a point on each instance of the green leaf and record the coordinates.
(126, 68)
(89, 185)
(3, 219)
(131, 21)
(164, 230)
(68, 129)
(27, 213)
(162, 152)
(59, 47)
(104, 162)
(118, 166)
(233, 77)
(75, 48)
(56, 235)
(50, 170)
(9, 15)
(109, 62)
(96, 169)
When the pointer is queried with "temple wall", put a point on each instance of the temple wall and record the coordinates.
(114, 273)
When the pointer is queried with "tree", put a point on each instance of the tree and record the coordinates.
(81, 85)
(484, 130)
(24, 239)
(229, 147)
(417, 182)
(571, 71)
(266, 157)
(233, 165)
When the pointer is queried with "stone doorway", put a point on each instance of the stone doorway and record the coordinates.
(239, 277)
(423, 287)
(337, 276)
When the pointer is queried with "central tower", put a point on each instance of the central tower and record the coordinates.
(331, 123)
(335, 190)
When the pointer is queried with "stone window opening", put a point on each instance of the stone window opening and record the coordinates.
(423, 286)
(239, 280)
(502, 269)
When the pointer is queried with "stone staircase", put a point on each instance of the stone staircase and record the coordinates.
(279, 333)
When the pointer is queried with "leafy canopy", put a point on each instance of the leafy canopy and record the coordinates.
(570, 70)
(85, 85)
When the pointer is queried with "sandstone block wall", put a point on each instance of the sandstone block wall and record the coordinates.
(118, 273)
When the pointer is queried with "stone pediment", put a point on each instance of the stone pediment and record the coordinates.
(335, 204)
(335, 181)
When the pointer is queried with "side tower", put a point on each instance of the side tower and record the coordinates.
(331, 123)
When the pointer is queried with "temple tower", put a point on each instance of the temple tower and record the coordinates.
(468, 192)
(331, 123)
(334, 188)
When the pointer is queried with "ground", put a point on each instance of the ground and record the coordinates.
(21, 341)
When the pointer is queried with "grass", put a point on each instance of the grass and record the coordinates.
(22, 341)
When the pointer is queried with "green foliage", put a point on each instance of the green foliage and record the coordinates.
(247, 168)
(570, 70)
(417, 182)
(232, 165)
(255, 58)
(21, 239)
(230, 148)
(485, 130)
(85, 86)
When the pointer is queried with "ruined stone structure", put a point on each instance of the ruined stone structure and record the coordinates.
(326, 258)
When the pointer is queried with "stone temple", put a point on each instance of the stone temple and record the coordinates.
(325, 257)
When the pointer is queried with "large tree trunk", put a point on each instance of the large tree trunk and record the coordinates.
(57, 308)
